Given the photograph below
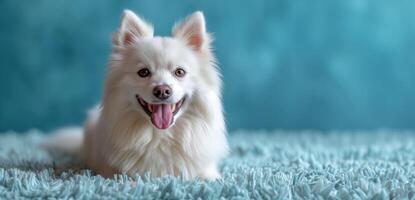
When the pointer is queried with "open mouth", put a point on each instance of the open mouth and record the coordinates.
(162, 115)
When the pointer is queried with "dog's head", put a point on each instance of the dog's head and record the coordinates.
(159, 75)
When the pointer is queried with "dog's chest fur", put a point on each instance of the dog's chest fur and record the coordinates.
(140, 148)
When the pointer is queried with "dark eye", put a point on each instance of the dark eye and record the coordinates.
(143, 72)
(179, 72)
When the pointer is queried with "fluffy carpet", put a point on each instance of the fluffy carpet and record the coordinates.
(261, 165)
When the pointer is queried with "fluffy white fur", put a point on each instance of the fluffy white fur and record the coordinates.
(119, 136)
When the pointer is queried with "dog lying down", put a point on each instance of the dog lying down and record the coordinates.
(161, 108)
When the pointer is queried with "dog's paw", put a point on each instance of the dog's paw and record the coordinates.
(211, 173)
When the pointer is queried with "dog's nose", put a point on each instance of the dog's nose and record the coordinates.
(162, 92)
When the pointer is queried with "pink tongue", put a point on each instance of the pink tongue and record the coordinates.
(162, 116)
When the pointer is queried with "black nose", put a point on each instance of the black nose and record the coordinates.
(162, 92)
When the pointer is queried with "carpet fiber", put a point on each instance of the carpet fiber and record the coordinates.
(278, 165)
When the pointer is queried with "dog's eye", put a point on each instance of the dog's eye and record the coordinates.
(143, 72)
(179, 72)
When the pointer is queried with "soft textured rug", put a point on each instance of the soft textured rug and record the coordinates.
(261, 165)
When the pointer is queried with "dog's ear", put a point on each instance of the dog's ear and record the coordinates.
(132, 28)
(193, 31)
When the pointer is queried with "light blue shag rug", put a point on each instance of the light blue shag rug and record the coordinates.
(278, 165)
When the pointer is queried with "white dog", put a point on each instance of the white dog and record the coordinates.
(161, 109)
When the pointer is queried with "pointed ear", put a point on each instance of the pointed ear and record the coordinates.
(132, 28)
(193, 31)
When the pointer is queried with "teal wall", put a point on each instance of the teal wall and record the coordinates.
(291, 64)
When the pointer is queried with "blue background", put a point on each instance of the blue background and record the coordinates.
(290, 64)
